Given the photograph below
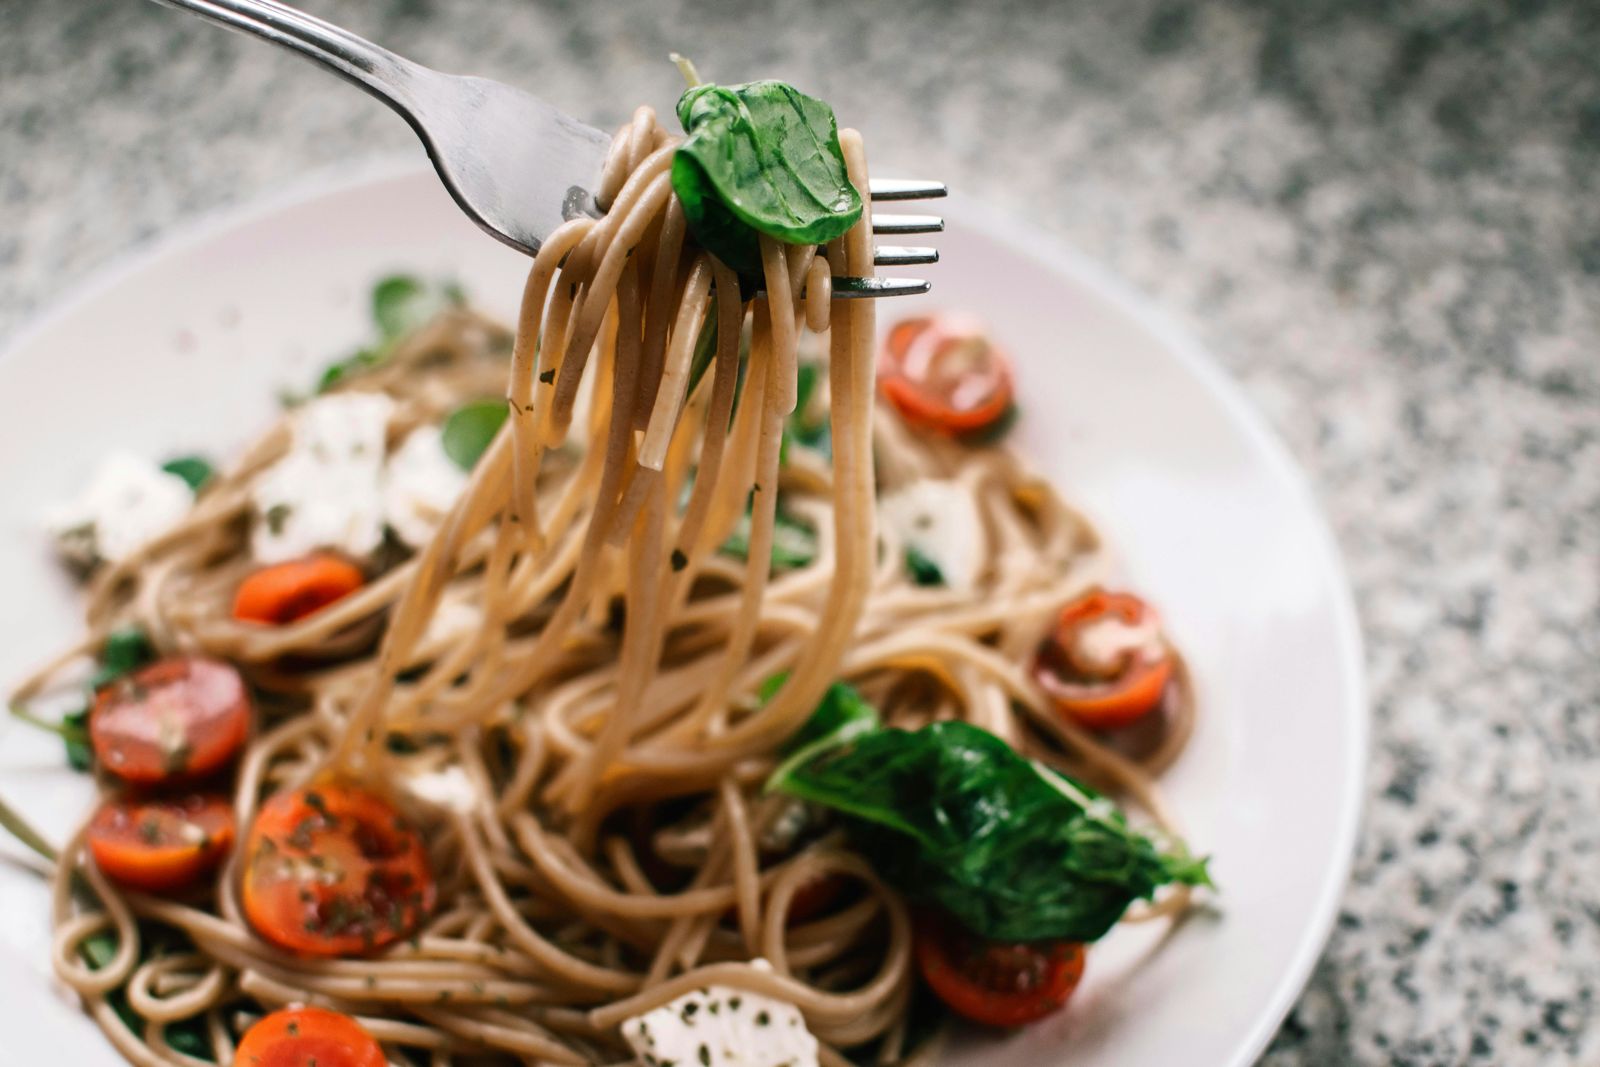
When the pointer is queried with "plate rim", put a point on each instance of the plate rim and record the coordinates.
(1062, 258)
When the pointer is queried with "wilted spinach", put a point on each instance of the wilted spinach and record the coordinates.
(923, 570)
(760, 157)
(196, 471)
(470, 429)
(125, 650)
(794, 544)
(953, 817)
(400, 304)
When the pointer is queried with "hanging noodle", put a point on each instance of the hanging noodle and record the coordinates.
(549, 932)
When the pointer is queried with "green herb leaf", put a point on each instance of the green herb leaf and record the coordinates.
(75, 736)
(764, 157)
(125, 651)
(794, 544)
(400, 304)
(1014, 851)
(842, 715)
(471, 428)
(195, 470)
(923, 570)
(73, 729)
(403, 302)
(805, 425)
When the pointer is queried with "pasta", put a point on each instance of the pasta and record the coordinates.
(597, 713)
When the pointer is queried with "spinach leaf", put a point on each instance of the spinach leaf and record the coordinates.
(842, 708)
(470, 429)
(794, 544)
(75, 738)
(195, 470)
(400, 304)
(923, 570)
(953, 817)
(764, 157)
(125, 651)
(186, 1035)
(806, 426)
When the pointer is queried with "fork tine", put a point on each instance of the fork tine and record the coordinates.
(906, 189)
(901, 224)
(852, 288)
(903, 255)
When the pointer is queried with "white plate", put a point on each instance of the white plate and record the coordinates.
(185, 347)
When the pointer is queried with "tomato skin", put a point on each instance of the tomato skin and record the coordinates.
(993, 983)
(914, 374)
(161, 846)
(308, 1037)
(177, 719)
(287, 592)
(334, 870)
(1102, 696)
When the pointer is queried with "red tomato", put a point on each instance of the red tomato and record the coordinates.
(161, 845)
(180, 717)
(944, 375)
(1105, 664)
(994, 983)
(285, 592)
(308, 1037)
(334, 870)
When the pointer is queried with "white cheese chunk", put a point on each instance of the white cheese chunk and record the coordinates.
(420, 486)
(940, 520)
(722, 1027)
(327, 490)
(1100, 645)
(127, 502)
(448, 787)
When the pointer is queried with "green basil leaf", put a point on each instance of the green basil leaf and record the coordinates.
(804, 426)
(125, 651)
(955, 818)
(760, 157)
(75, 738)
(403, 302)
(194, 470)
(794, 544)
(923, 570)
(470, 429)
(841, 707)
(705, 348)
(400, 304)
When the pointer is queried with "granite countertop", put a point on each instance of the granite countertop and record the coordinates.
(1384, 219)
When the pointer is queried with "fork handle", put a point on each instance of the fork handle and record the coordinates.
(356, 59)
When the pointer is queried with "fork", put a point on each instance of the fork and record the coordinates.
(516, 165)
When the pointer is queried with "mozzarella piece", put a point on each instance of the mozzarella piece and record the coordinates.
(128, 502)
(940, 520)
(448, 787)
(722, 1027)
(327, 490)
(420, 486)
(1102, 643)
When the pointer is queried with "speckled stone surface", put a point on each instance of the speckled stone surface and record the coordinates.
(1383, 218)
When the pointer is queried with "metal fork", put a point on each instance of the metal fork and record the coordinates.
(516, 165)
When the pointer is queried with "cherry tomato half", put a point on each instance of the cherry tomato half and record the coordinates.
(308, 1037)
(286, 592)
(334, 870)
(1105, 664)
(180, 717)
(944, 375)
(994, 983)
(161, 845)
